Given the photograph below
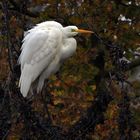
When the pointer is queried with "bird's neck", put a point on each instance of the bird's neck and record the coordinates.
(68, 48)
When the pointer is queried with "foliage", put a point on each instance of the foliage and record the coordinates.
(89, 98)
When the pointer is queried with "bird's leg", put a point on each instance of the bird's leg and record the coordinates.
(46, 99)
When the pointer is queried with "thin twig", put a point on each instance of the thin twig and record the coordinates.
(6, 18)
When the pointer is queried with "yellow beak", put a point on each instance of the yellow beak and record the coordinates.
(84, 31)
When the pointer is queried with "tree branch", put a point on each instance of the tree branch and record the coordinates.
(27, 13)
(6, 20)
(119, 2)
(94, 115)
(23, 11)
(133, 64)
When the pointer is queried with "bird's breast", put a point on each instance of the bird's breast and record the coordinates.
(68, 48)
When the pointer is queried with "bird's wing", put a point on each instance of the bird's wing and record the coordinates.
(33, 41)
(38, 50)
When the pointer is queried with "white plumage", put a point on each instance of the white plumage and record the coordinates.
(44, 48)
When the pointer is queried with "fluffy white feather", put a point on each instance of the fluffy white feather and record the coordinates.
(44, 48)
(38, 51)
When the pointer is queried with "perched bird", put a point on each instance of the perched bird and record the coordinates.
(44, 49)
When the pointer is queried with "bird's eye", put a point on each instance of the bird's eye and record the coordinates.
(72, 30)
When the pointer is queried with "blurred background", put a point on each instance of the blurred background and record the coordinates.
(106, 62)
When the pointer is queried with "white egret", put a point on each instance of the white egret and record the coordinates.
(44, 49)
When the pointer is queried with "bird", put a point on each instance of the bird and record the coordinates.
(44, 49)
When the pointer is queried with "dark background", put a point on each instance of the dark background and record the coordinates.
(95, 96)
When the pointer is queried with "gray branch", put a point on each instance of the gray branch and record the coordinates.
(133, 64)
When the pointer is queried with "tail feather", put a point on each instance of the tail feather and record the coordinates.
(25, 80)
(40, 85)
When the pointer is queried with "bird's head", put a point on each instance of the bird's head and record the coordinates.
(71, 31)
